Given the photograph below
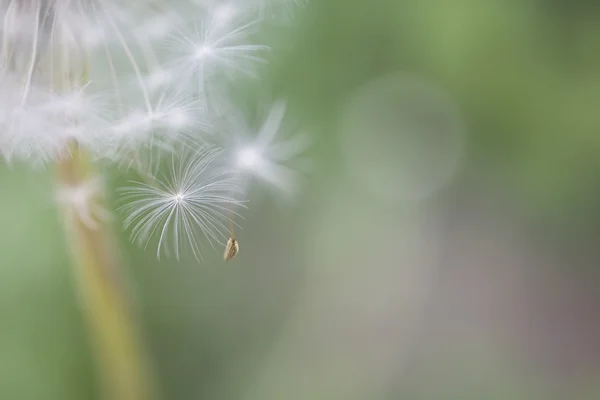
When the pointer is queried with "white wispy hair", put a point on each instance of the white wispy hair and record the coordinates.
(194, 199)
(270, 154)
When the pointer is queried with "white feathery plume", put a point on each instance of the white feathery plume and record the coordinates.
(192, 200)
(268, 153)
(216, 48)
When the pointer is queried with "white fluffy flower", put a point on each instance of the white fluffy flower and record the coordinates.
(130, 81)
(58, 56)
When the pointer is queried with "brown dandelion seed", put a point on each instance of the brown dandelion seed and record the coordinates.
(232, 248)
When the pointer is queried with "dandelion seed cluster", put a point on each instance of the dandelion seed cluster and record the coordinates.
(138, 83)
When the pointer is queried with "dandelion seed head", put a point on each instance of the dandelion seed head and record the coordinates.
(133, 82)
(51, 49)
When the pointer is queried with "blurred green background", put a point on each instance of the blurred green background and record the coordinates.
(485, 286)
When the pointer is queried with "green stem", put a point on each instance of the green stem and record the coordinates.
(116, 342)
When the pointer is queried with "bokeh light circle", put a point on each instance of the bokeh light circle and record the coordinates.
(401, 137)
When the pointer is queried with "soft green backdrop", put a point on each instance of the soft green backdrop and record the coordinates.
(525, 75)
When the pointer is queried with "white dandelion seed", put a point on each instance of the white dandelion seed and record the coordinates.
(216, 49)
(191, 202)
(269, 154)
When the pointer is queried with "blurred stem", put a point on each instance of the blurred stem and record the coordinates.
(113, 330)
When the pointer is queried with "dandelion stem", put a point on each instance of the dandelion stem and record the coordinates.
(118, 350)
